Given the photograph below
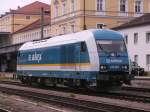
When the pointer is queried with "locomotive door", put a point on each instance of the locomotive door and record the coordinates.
(68, 57)
(77, 57)
(80, 55)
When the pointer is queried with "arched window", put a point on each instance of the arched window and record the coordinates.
(100, 5)
(72, 6)
(123, 5)
(138, 6)
(64, 7)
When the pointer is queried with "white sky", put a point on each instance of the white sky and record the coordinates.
(6, 5)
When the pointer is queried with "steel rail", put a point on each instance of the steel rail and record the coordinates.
(72, 102)
(119, 95)
(4, 110)
(139, 89)
(127, 96)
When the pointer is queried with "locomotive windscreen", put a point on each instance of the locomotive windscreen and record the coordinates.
(111, 46)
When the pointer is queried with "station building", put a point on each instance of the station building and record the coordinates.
(10, 23)
(32, 32)
(75, 15)
(21, 17)
(137, 37)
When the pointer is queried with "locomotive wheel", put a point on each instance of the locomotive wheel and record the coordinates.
(54, 82)
(29, 81)
(128, 82)
(22, 79)
(83, 84)
(41, 81)
(103, 84)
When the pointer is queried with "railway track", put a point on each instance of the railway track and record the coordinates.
(4, 110)
(136, 89)
(12, 82)
(84, 105)
(128, 93)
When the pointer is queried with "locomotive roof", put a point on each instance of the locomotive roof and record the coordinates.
(73, 38)
(107, 35)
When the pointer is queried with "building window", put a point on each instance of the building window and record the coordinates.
(72, 6)
(148, 59)
(135, 38)
(64, 30)
(72, 28)
(56, 10)
(136, 58)
(138, 6)
(148, 37)
(126, 39)
(99, 26)
(100, 5)
(7, 19)
(28, 17)
(64, 8)
(123, 4)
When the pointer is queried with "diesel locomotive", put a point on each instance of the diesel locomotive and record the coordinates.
(91, 57)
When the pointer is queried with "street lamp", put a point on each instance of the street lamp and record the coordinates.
(84, 25)
(42, 20)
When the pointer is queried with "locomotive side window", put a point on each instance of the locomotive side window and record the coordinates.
(83, 47)
(18, 54)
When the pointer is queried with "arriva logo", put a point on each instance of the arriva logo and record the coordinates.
(113, 61)
(35, 57)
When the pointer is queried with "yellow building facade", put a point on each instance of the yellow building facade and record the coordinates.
(15, 20)
(12, 22)
(32, 32)
(68, 15)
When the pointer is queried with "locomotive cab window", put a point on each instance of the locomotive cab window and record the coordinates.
(111, 46)
(83, 47)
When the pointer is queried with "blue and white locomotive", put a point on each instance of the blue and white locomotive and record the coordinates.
(79, 59)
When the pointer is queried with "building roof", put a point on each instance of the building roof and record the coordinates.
(34, 25)
(139, 21)
(30, 9)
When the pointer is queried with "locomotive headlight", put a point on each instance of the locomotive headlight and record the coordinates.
(103, 67)
(125, 67)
